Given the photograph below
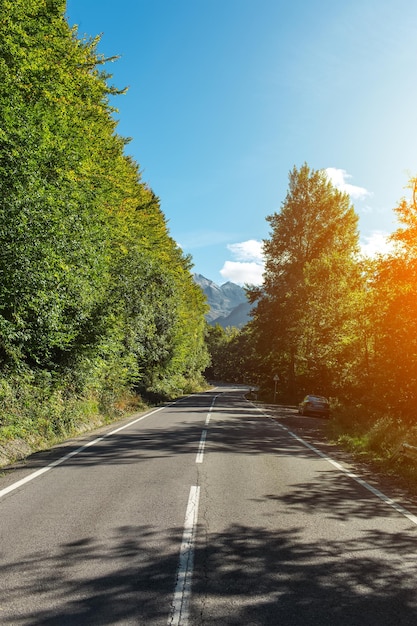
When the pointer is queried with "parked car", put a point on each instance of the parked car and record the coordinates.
(314, 405)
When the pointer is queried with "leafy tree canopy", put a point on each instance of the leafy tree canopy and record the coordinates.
(304, 319)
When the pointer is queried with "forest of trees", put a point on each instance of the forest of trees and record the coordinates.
(327, 319)
(96, 299)
(98, 305)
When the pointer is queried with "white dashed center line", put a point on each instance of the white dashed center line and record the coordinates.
(182, 593)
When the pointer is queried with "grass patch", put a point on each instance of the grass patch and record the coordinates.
(375, 438)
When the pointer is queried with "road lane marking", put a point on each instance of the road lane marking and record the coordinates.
(212, 404)
(386, 499)
(181, 602)
(64, 458)
(200, 453)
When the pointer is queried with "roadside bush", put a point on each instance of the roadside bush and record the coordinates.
(386, 435)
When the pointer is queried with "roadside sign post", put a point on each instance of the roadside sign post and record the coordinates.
(276, 379)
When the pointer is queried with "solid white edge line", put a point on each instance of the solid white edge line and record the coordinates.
(182, 592)
(386, 499)
(64, 458)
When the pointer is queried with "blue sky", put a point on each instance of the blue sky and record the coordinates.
(226, 96)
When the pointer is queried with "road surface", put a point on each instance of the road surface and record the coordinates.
(209, 511)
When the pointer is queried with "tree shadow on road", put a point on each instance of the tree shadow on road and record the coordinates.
(244, 576)
(257, 577)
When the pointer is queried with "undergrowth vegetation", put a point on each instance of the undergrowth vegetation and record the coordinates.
(376, 439)
(37, 412)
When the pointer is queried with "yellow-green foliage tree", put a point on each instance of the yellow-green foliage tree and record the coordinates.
(306, 313)
(93, 289)
(393, 315)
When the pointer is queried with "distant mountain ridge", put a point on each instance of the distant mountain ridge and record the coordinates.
(228, 303)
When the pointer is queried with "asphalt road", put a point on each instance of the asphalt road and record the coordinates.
(209, 511)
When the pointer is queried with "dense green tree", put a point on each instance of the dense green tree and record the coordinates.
(190, 356)
(92, 288)
(154, 293)
(233, 355)
(305, 318)
(219, 340)
(53, 239)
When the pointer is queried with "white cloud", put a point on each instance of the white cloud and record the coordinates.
(376, 243)
(339, 178)
(241, 273)
(247, 250)
(248, 266)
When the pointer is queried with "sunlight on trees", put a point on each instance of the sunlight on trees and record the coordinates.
(97, 300)
(93, 289)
